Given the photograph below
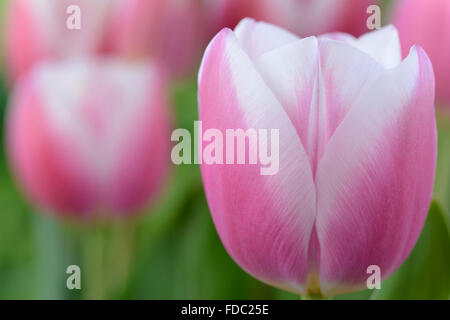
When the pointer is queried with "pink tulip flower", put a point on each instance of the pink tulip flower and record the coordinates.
(37, 30)
(303, 17)
(357, 153)
(170, 31)
(90, 138)
(427, 23)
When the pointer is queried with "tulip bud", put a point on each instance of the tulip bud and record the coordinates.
(40, 30)
(90, 138)
(427, 23)
(357, 153)
(170, 31)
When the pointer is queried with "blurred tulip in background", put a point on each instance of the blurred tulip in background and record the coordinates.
(90, 138)
(310, 17)
(36, 30)
(427, 23)
(169, 31)
(357, 144)
(303, 17)
(228, 13)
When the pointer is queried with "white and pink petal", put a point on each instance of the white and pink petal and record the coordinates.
(265, 221)
(374, 182)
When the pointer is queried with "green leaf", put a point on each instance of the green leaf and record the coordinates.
(442, 179)
(426, 272)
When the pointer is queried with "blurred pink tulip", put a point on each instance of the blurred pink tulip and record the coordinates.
(228, 13)
(90, 138)
(303, 17)
(313, 17)
(427, 23)
(170, 31)
(36, 30)
(357, 153)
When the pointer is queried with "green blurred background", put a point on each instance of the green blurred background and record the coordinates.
(173, 251)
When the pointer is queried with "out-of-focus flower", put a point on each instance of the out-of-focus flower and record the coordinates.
(357, 141)
(228, 13)
(303, 17)
(90, 138)
(170, 31)
(37, 30)
(313, 17)
(427, 23)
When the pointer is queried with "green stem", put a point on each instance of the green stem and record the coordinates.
(120, 256)
(93, 248)
(107, 249)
